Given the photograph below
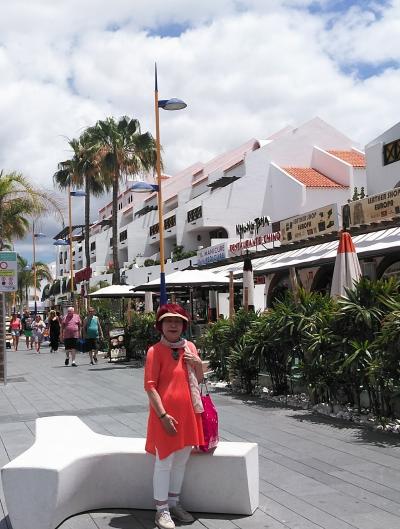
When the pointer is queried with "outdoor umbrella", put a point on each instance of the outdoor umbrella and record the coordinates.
(347, 266)
(115, 291)
(248, 284)
(186, 279)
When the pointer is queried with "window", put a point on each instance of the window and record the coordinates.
(130, 199)
(65, 257)
(61, 272)
(92, 246)
(80, 249)
(123, 236)
(391, 152)
(111, 242)
(219, 234)
(194, 214)
(154, 229)
(170, 222)
(119, 206)
(61, 258)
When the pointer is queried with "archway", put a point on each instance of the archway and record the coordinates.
(322, 281)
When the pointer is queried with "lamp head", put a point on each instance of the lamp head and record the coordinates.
(61, 242)
(77, 193)
(143, 187)
(39, 235)
(172, 104)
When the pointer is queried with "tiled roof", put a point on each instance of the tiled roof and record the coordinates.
(311, 178)
(354, 158)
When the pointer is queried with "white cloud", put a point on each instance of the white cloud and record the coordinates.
(246, 69)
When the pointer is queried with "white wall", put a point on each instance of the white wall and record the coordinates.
(381, 177)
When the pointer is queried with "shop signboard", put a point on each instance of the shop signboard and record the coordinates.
(321, 221)
(212, 254)
(117, 344)
(8, 272)
(373, 209)
(263, 240)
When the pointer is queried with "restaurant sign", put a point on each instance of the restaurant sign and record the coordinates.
(311, 224)
(212, 254)
(261, 241)
(375, 208)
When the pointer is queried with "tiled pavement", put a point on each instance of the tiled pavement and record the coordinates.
(315, 473)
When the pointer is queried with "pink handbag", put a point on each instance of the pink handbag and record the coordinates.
(210, 421)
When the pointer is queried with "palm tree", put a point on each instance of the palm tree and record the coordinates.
(20, 200)
(81, 171)
(26, 277)
(121, 150)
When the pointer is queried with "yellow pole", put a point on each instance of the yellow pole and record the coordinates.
(34, 267)
(71, 263)
(163, 294)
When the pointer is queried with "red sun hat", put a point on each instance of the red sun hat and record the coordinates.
(171, 310)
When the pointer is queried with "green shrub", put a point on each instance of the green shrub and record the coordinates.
(140, 334)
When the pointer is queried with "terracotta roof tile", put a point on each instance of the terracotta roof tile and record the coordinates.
(354, 158)
(311, 177)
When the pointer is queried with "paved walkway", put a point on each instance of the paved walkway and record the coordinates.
(315, 473)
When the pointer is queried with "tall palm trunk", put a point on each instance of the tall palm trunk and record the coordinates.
(116, 277)
(87, 220)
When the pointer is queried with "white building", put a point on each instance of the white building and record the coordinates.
(383, 157)
(291, 172)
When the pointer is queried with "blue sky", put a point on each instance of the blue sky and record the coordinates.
(246, 68)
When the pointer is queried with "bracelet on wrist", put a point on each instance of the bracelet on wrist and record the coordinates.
(163, 415)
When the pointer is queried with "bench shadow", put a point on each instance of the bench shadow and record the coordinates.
(146, 519)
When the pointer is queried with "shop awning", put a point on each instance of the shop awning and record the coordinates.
(367, 244)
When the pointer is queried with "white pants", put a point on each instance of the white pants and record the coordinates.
(169, 473)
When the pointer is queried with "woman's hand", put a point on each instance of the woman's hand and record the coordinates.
(169, 424)
(192, 359)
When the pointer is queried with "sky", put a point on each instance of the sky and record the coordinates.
(246, 68)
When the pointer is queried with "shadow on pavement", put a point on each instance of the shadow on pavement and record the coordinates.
(363, 433)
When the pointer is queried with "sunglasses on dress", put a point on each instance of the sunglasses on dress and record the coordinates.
(175, 354)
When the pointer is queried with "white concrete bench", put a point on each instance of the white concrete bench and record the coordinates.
(70, 469)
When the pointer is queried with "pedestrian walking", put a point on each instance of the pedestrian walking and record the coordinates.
(15, 329)
(71, 328)
(172, 372)
(92, 332)
(26, 322)
(54, 327)
(38, 328)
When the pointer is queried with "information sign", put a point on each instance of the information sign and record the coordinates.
(8, 272)
(117, 344)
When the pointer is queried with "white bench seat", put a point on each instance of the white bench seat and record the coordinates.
(70, 469)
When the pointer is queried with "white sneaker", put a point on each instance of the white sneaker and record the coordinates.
(163, 520)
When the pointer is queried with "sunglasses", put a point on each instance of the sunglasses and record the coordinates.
(175, 354)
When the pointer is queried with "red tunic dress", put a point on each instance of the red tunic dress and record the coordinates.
(170, 378)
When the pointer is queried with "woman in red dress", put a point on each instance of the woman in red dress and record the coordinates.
(172, 372)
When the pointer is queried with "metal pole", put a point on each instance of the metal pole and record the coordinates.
(3, 352)
(231, 296)
(34, 267)
(71, 263)
(163, 290)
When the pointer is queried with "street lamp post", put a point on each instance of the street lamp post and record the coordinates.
(34, 237)
(166, 104)
(62, 242)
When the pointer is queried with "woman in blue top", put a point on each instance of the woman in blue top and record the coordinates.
(92, 331)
